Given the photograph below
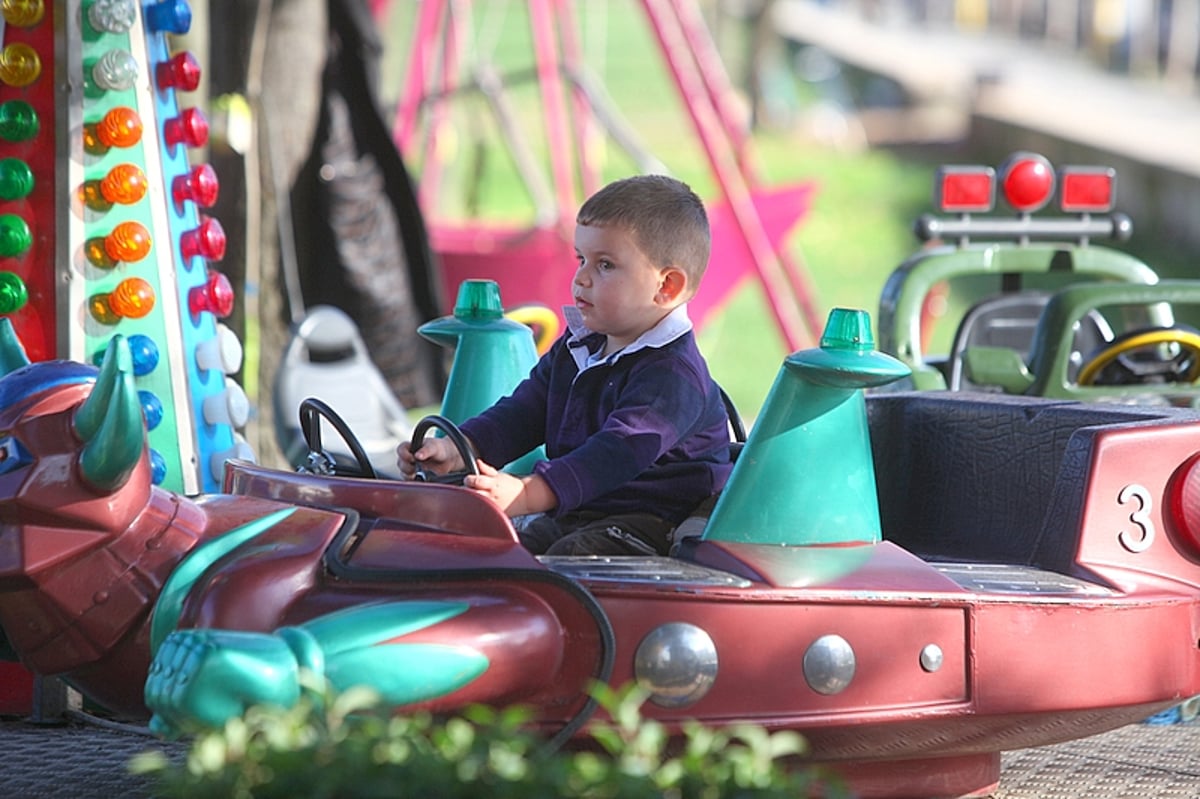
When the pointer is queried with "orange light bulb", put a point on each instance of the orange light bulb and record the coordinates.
(120, 127)
(128, 242)
(133, 298)
(125, 184)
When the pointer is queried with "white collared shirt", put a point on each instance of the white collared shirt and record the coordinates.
(671, 327)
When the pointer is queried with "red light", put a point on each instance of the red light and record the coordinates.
(181, 72)
(207, 240)
(965, 189)
(200, 185)
(1088, 189)
(189, 128)
(216, 295)
(1028, 182)
(1184, 502)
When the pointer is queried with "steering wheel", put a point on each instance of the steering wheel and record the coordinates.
(465, 450)
(1157, 355)
(318, 461)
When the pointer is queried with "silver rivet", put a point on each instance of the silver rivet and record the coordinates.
(931, 657)
(829, 664)
(677, 663)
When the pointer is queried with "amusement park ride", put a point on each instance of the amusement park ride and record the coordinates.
(103, 221)
(1065, 316)
(914, 580)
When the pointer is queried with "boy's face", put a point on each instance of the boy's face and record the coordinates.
(619, 292)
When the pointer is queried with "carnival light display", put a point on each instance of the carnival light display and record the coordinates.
(100, 230)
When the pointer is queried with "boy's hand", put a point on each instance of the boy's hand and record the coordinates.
(438, 455)
(516, 496)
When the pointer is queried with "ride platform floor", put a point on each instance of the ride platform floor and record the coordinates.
(84, 759)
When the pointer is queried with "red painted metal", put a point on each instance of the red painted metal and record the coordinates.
(1103, 631)
(16, 690)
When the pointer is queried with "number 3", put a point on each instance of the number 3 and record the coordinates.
(1140, 517)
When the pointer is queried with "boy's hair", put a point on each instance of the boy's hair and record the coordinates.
(664, 216)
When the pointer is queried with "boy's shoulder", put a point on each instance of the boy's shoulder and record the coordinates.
(682, 353)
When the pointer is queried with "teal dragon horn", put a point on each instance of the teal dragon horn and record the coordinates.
(12, 352)
(110, 422)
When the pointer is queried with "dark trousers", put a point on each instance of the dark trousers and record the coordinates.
(596, 534)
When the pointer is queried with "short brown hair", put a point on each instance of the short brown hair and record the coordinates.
(665, 218)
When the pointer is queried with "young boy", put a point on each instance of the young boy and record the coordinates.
(635, 429)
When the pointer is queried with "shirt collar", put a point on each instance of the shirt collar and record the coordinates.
(580, 341)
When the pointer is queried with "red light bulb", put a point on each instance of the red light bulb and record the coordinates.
(190, 128)
(181, 72)
(200, 186)
(208, 241)
(1028, 182)
(215, 296)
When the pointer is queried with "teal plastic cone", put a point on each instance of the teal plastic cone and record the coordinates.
(806, 475)
(492, 354)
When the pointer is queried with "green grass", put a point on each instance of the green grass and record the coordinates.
(857, 231)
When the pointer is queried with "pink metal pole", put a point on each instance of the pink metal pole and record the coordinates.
(439, 115)
(720, 91)
(422, 51)
(585, 127)
(550, 81)
(712, 71)
(733, 184)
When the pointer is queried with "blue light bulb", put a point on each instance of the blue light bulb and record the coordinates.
(145, 354)
(170, 16)
(158, 467)
(152, 409)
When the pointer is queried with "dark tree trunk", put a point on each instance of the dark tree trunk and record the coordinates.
(319, 210)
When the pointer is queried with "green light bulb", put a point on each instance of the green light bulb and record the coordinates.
(13, 293)
(16, 179)
(15, 237)
(18, 121)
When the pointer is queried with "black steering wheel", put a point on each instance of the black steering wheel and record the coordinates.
(319, 461)
(1154, 355)
(465, 450)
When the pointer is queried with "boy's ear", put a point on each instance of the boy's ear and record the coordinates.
(672, 286)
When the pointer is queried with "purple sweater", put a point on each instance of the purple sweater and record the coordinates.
(644, 432)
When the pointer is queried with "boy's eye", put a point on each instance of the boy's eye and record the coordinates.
(605, 265)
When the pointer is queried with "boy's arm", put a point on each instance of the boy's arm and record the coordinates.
(516, 496)
(515, 424)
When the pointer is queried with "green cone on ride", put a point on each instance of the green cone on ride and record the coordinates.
(492, 354)
(806, 475)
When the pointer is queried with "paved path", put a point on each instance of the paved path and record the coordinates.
(87, 761)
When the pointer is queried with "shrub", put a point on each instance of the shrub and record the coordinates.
(344, 745)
